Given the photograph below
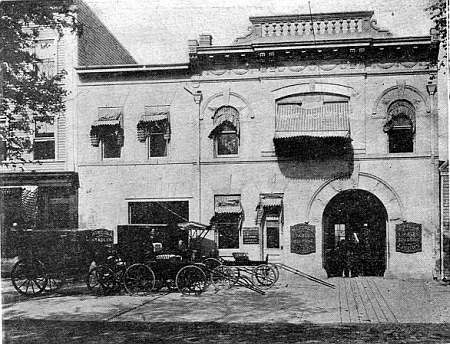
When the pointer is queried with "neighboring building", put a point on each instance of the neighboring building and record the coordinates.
(445, 222)
(43, 192)
(300, 134)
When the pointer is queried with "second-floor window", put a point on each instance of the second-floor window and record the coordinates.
(226, 131)
(111, 147)
(157, 142)
(154, 128)
(400, 127)
(107, 132)
(227, 141)
(44, 140)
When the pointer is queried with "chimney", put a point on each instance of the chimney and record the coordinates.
(192, 46)
(205, 40)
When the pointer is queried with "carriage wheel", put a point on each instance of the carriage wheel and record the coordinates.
(223, 277)
(264, 275)
(139, 279)
(93, 282)
(191, 280)
(55, 281)
(107, 278)
(211, 263)
(277, 272)
(28, 277)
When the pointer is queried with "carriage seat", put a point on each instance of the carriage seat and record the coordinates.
(240, 257)
(170, 257)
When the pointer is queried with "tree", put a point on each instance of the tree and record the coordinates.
(438, 13)
(26, 91)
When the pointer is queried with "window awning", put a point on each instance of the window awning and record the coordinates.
(273, 202)
(224, 116)
(109, 119)
(152, 117)
(227, 204)
(329, 120)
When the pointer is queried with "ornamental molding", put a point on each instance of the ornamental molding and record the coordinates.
(226, 98)
(364, 181)
(401, 91)
(314, 87)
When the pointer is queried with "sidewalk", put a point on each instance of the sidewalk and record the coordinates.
(370, 300)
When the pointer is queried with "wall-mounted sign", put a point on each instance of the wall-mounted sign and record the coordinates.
(408, 237)
(303, 238)
(250, 235)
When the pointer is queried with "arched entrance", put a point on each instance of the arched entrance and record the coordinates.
(359, 217)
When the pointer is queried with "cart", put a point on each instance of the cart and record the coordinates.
(47, 259)
(242, 271)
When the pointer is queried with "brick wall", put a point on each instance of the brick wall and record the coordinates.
(97, 46)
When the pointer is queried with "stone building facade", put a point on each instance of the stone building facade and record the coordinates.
(301, 134)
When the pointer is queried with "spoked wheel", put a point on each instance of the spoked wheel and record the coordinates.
(93, 282)
(139, 279)
(264, 275)
(212, 263)
(28, 277)
(191, 280)
(55, 281)
(223, 277)
(106, 278)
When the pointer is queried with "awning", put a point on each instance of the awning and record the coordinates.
(108, 119)
(225, 115)
(229, 209)
(268, 203)
(329, 120)
(271, 201)
(152, 117)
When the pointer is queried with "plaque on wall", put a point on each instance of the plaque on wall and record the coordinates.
(303, 238)
(408, 237)
(250, 235)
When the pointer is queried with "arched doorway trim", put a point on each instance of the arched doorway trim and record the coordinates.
(364, 181)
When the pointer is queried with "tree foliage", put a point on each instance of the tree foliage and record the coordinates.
(27, 92)
(438, 13)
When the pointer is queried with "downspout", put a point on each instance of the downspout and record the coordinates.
(198, 100)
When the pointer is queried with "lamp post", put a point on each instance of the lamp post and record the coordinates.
(431, 90)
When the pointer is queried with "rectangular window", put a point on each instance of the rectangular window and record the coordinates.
(158, 212)
(44, 140)
(228, 231)
(157, 145)
(273, 233)
(339, 232)
(227, 143)
(401, 141)
(110, 146)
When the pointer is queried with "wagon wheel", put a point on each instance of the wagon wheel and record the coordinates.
(106, 278)
(93, 282)
(264, 275)
(211, 263)
(139, 279)
(55, 281)
(191, 280)
(28, 277)
(223, 277)
(277, 272)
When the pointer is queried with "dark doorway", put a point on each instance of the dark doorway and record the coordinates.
(359, 218)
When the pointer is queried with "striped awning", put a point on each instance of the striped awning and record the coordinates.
(226, 115)
(328, 120)
(154, 117)
(271, 202)
(227, 204)
(108, 119)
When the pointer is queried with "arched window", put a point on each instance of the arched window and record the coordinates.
(226, 131)
(400, 127)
